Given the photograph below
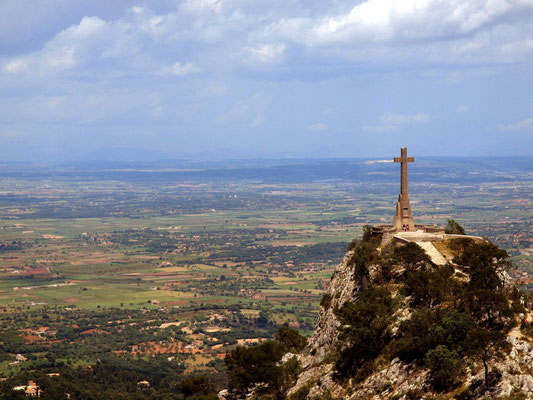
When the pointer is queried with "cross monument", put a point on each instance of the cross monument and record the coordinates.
(403, 221)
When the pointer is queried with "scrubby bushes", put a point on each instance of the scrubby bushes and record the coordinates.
(452, 319)
(411, 256)
(364, 254)
(250, 365)
(444, 365)
(197, 387)
(325, 301)
(454, 228)
(430, 286)
(365, 329)
(261, 364)
(290, 339)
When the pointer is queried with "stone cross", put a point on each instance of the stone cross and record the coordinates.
(404, 218)
(404, 160)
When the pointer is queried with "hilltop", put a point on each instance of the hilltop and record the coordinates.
(397, 323)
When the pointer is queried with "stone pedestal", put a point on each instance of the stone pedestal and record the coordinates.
(403, 220)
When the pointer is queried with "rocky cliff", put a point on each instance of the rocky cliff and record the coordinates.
(342, 288)
(511, 373)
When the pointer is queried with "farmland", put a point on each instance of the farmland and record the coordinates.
(183, 262)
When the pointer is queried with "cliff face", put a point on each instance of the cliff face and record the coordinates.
(342, 288)
(397, 379)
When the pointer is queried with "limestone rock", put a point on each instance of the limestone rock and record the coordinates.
(397, 378)
(342, 288)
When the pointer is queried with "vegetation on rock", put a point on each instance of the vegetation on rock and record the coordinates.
(453, 227)
(453, 315)
(262, 364)
(365, 330)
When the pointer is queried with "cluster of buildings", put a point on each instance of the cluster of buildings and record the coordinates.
(31, 389)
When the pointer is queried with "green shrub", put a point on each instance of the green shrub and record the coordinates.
(352, 245)
(481, 255)
(250, 365)
(367, 233)
(429, 287)
(414, 394)
(365, 253)
(445, 366)
(460, 244)
(300, 394)
(291, 339)
(427, 329)
(325, 301)
(196, 386)
(365, 329)
(414, 336)
(454, 228)
(291, 369)
(411, 255)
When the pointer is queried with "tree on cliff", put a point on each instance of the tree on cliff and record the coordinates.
(261, 364)
(486, 345)
(411, 256)
(365, 329)
(454, 228)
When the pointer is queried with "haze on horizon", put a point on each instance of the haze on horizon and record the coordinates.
(213, 79)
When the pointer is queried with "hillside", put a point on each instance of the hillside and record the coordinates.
(395, 325)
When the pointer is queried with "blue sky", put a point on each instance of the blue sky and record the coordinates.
(217, 79)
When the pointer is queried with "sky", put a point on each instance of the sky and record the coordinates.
(219, 79)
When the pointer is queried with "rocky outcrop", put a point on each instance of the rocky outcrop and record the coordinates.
(342, 288)
(396, 379)
(516, 369)
(317, 376)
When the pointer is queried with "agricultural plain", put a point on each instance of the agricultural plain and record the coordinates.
(184, 262)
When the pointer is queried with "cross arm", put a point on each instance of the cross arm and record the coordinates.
(407, 159)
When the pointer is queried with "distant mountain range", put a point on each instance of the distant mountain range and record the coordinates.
(435, 170)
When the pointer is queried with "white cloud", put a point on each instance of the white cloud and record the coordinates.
(266, 53)
(137, 10)
(412, 20)
(318, 127)
(422, 32)
(202, 6)
(16, 65)
(399, 119)
(248, 112)
(55, 101)
(523, 125)
(237, 113)
(379, 128)
(390, 122)
(519, 46)
(256, 122)
(462, 109)
(180, 69)
(58, 58)
(215, 90)
(222, 35)
(88, 26)
(78, 45)
(104, 66)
